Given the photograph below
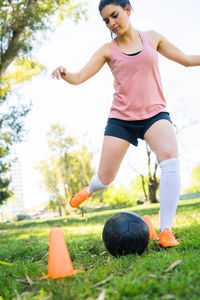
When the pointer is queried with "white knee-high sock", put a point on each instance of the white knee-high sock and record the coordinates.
(96, 185)
(169, 191)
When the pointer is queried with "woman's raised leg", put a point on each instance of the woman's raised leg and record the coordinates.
(113, 152)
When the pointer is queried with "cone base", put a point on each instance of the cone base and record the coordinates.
(57, 277)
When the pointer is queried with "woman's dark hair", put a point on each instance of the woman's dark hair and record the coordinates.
(121, 3)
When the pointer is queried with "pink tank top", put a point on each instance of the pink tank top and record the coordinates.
(137, 83)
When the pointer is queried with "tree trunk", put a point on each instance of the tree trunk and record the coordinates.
(143, 182)
(152, 179)
(152, 187)
(59, 209)
(143, 187)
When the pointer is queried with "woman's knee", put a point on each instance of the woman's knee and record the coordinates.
(106, 178)
(164, 155)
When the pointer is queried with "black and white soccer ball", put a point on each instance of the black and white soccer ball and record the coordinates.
(125, 233)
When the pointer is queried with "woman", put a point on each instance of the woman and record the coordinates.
(138, 109)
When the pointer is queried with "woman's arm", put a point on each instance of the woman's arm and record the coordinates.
(171, 52)
(96, 62)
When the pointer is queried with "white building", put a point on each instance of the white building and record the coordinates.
(15, 205)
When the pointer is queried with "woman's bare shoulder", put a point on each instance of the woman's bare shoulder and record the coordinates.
(154, 37)
(106, 49)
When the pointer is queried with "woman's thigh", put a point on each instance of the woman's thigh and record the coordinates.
(113, 152)
(161, 139)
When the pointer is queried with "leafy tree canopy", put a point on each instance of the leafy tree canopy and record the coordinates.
(20, 20)
(66, 170)
(195, 179)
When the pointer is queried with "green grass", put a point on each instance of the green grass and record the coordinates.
(25, 244)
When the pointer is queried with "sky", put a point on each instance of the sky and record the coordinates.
(84, 109)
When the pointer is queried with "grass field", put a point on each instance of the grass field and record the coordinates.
(149, 276)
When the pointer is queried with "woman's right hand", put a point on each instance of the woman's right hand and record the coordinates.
(59, 72)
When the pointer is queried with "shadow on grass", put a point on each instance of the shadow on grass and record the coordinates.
(189, 206)
(92, 218)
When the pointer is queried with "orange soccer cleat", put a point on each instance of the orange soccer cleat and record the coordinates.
(167, 239)
(80, 197)
(152, 233)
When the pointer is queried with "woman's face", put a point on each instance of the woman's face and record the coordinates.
(116, 18)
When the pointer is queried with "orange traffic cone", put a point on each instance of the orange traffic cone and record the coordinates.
(59, 262)
(152, 233)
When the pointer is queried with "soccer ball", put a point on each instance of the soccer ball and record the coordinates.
(125, 233)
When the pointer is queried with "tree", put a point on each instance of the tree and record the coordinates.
(195, 179)
(50, 171)
(148, 184)
(5, 193)
(153, 181)
(140, 183)
(66, 170)
(20, 21)
(11, 124)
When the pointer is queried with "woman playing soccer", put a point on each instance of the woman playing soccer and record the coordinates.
(138, 109)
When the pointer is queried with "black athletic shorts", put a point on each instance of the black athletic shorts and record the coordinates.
(132, 130)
